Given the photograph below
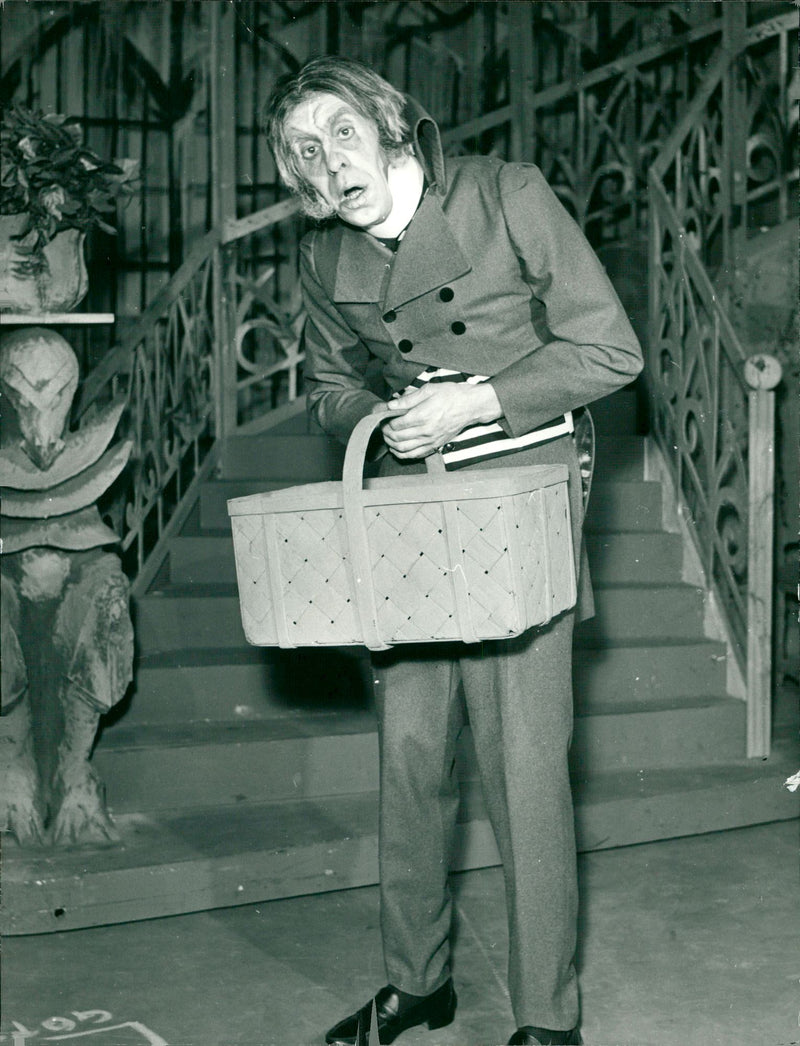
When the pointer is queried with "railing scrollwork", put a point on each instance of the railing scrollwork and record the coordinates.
(712, 409)
(219, 345)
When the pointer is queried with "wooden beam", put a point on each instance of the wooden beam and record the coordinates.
(521, 80)
(222, 86)
(735, 121)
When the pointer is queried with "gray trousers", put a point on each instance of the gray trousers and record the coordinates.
(518, 696)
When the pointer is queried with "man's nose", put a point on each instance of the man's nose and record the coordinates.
(335, 159)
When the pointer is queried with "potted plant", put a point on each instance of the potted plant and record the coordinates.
(53, 189)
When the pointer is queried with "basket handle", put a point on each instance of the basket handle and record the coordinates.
(352, 492)
(356, 453)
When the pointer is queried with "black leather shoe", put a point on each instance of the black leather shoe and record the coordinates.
(397, 1011)
(530, 1036)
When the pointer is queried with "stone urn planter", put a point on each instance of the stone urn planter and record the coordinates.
(59, 285)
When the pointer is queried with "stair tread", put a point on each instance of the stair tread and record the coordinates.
(198, 657)
(302, 723)
(229, 589)
(292, 724)
(170, 837)
(246, 654)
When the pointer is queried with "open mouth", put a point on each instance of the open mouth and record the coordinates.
(353, 193)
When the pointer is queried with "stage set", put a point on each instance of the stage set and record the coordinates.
(189, 770)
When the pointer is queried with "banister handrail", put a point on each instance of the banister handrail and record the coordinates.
(731, 343)
(116, 362)
(237, 228)
(683, 128)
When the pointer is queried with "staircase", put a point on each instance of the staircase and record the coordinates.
(238, 774)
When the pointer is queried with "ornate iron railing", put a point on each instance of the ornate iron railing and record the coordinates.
(261, 356)
(218, 346)
(712, 409)
(595, 137)
(166, 367)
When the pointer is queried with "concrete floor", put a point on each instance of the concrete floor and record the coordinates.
(690, 942)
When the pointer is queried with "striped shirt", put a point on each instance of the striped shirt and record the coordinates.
(481, 442)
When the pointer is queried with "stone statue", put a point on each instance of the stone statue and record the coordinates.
(67, 638)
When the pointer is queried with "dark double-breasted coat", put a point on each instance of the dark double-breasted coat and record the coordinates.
(492, 277)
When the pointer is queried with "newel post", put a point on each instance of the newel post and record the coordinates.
(222, 94)
(762, 373)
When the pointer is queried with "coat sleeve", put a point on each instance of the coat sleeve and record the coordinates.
(336, 358)
(590, 348)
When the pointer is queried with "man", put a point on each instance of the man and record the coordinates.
(464, 295)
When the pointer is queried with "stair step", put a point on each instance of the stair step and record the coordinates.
(154, 768)
(618, 412)
(643, 613)
(247, 683)
(259, 682)
(239, 773)
(313, 755)
(201, 559)
(652, 735)
(615, 451)
(177, 861)
(303, 458)
(298, 424)
(616, 505)
(634, 556)
(692, 667)
(207, 616)
(624, 506)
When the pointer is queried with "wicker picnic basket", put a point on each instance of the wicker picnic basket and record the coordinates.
(472, 555)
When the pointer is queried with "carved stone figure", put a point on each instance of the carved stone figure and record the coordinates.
(67, 638)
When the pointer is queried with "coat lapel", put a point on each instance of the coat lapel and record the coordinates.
(360, 268)
(429, 257)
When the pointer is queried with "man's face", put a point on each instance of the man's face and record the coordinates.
(337, 151)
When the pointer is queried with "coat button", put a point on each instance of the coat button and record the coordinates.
(446, 294)
(390, 316)
(448, 447)
(458, 327)
(405, 345)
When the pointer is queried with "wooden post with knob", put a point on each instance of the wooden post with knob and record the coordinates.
(762, 374)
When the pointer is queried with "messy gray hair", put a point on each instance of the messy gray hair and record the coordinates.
(363, 90)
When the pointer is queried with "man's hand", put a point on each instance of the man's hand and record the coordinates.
(436, 413)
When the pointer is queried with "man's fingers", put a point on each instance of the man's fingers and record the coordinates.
(407, 400)
(406, 442)
(419, 445)
(409, 420)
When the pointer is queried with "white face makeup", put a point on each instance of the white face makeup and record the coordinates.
(337, 151)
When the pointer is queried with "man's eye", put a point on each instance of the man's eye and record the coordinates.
(346, 131)
(308, 152)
